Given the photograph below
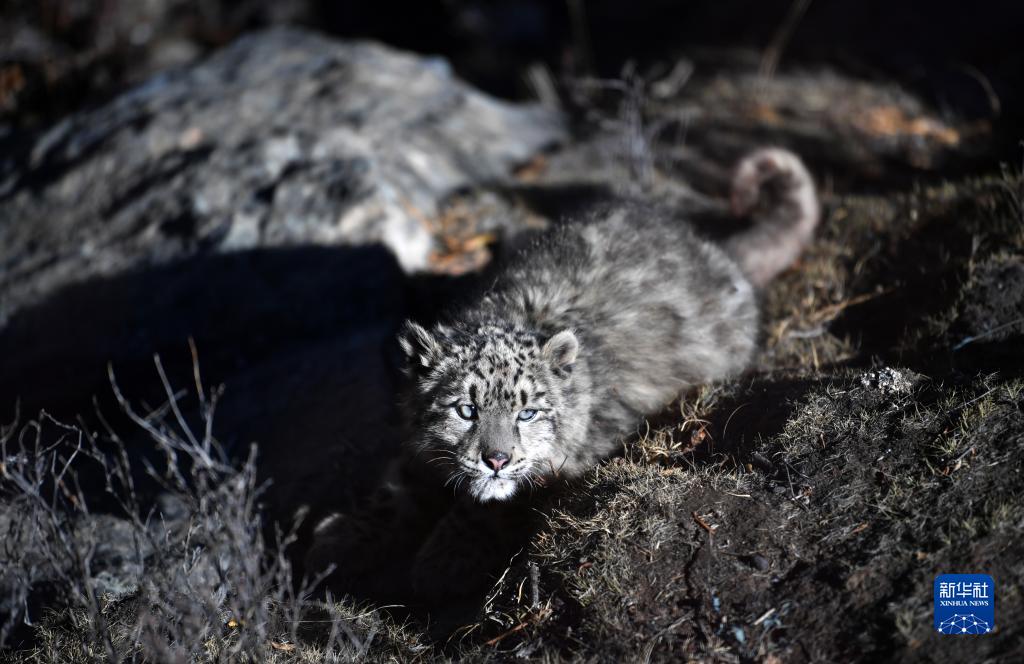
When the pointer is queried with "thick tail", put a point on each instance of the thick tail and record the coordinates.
(773, 188)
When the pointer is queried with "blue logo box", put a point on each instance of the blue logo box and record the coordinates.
(964, 604)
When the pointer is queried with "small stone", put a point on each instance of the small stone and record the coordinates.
(888, 381)
(760, 562)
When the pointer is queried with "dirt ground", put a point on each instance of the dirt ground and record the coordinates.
(801, 513)
(797, 514)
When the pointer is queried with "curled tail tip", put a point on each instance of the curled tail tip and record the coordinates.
(772, 178)
(774, 188)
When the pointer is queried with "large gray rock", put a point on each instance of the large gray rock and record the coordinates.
(283, 138)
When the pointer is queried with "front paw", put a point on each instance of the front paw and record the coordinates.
(334, 548)
(356, 560)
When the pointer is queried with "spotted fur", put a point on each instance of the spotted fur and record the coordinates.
(601, 321)
(596, 324)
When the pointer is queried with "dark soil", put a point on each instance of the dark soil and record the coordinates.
(797, 514)
(802, 513)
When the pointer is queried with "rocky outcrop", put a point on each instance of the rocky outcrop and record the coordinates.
(282, 139)
(274, 204)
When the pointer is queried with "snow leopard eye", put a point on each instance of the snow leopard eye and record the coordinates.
(466, 411)
(526, 415)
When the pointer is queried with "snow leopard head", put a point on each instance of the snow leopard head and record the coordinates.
(490, 404)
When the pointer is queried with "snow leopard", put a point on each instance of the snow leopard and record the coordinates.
(594, 325)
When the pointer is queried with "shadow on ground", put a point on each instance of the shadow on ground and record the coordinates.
(800, 492)
(302, 340)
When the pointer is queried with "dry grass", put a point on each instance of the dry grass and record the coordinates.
(795, 515)
(705, 543)
(191, 576)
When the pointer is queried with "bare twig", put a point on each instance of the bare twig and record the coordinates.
(193, 567)
(772, 54)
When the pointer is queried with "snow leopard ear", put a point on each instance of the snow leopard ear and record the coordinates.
(561, 350)
(419, 346)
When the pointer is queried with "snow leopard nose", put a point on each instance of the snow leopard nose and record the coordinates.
(497, 460)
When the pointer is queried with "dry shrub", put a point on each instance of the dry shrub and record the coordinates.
(189, 577)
